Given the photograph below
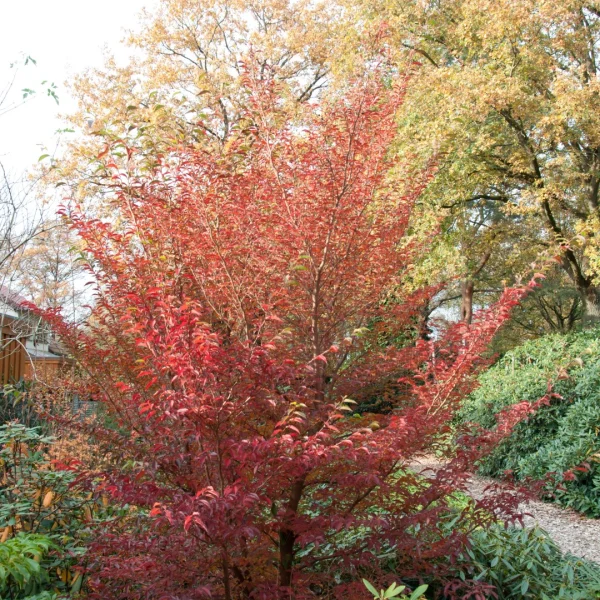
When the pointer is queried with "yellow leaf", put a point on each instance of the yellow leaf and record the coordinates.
(48, 499)
(5, 535)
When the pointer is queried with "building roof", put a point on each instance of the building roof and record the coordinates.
(37, 354)
(13, 299)
(57, 348)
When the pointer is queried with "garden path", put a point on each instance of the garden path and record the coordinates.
(572, 532)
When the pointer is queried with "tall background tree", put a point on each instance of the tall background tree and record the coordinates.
(49, 271)
(184, 85)
(23, 214)
(507, 96)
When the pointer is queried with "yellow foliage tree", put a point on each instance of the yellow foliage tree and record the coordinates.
(508, 100)
(183, 80)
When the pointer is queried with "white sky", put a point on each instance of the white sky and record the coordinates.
(64, 37)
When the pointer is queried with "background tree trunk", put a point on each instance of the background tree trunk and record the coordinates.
(466, 307)
(590, 296)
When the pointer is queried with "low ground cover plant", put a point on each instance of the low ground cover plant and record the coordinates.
(504, 562)
(526, 563)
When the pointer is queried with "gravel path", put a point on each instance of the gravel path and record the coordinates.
(574, 534)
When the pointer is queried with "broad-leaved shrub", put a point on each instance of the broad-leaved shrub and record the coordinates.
(560, 441)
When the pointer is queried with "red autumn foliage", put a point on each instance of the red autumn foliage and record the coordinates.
(244, 300)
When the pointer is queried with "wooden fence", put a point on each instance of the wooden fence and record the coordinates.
(13, 357)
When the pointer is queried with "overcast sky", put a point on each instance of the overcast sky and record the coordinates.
(64, 37)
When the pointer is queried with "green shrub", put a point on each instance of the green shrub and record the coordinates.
(573, 450)
(18, 404)
(526, 563)
(20, 571)
(43, 514)
(394, 591)
(561, 437)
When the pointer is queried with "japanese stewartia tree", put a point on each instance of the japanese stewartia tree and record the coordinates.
(246, 301)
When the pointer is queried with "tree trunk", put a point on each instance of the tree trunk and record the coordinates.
(424, 328)
(226, 580)
(468, 289)
(287, 539)
(466, 307)
(590, 296)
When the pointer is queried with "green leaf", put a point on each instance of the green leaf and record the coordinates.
(418, 592)
(371, 588)
(394, 591)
